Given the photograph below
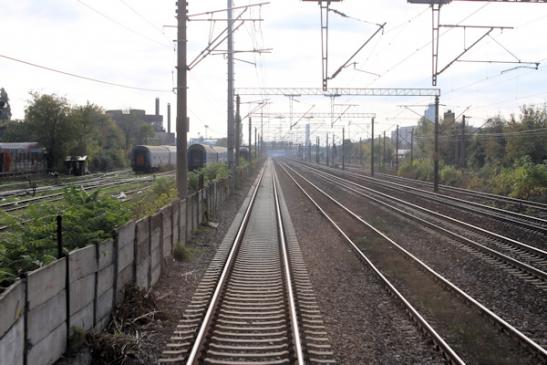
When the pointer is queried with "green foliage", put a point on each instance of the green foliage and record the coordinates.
(98, 137)
(525, 180)
(419, 169)
(48, 121)
(451, 176)
(181, 252)
(5, 108)
(31, 242)
(162, 193)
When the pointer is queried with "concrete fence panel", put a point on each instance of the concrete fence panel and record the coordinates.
(47, 313)
(156, 243)
(175, 219)
(125, 258)
(82, 275)
(142, 253)
(104, 291)
(167, 231)
(12, 337)
(183, 221)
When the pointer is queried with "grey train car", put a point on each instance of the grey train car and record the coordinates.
(200, 155)
(146, 159)
(244, 152)
(153, 158)
(22, 158)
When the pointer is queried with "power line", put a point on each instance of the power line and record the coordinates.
(142, 17)
(106, 16)
(83, 77)
(427, 44)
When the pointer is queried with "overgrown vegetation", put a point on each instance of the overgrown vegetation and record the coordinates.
(31, 241)
(505, 156)
(121, 343)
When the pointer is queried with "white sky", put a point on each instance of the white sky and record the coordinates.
(66, 35)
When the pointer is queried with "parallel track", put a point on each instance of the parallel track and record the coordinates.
(530, 261)
(254, 304)
(534, 349)
(529, 222)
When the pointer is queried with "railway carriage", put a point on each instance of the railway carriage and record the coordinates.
(156, 158)
(200, 155)
(153, 158)
(22, 158)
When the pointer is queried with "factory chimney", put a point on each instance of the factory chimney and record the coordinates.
(157, 106)
(168, 117)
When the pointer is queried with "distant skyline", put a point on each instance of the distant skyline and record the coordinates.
(125, 42)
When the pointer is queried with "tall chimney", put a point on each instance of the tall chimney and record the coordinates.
(168, 117)
(157, 106)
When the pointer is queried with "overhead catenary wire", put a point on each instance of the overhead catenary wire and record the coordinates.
(87, 78)
(131, 30)
(146, 20)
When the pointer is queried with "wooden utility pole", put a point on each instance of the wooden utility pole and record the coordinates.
(372, 149)
(397, 149)
(343, 149)
(327, 150)
(317, 150)
(256, 146)
(384, 153)
(237, 131)
(436, 148)
(182, 98)
(412, 145)
(360, 151)
(250, 138)
(463, 162)
(230, 119)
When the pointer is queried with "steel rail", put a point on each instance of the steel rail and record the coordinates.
(470, 226)
(18, 205)
(288, 277)
(479, 194)
(533, 346)
(200, 337)
(453, 357)
(513, 262)
(510, 217)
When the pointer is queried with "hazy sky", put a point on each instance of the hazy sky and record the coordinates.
(129, 45)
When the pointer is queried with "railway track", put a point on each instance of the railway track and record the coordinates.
(518, 205)
(466, 326)
(524, 261)
(255, 304)
(25, 203)
(49, 186)
(528, 224)
(452, 195)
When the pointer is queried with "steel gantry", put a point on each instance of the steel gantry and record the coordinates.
(488, 29)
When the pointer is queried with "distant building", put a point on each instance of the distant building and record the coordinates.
(449, 117)
(161, 137)
(404, 136)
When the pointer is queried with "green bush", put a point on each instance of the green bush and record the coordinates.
(451, 176)
(31, 241)
(525, 180)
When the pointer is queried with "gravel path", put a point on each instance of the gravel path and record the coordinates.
(518, 302)
(366, 325)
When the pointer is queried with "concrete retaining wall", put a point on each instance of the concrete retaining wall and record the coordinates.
(40, 311)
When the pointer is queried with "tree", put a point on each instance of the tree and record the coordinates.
(525, 138)
(48, 120)
(98, 137)
(5, 109)
(15, 131)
